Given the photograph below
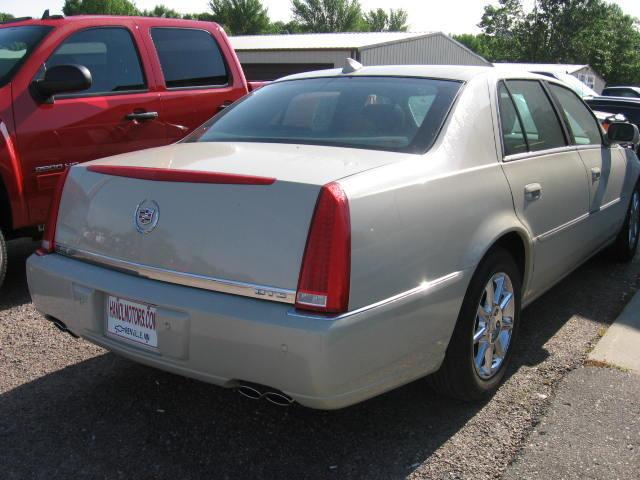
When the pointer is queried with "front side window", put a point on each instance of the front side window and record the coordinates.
(583, 127)
(109, 54)
(16, 44)
(542, 128)
(383, 113)
(189, 58)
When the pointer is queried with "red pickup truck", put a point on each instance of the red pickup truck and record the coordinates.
(80, 88)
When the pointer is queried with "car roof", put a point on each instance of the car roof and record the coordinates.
(58, 20)
(450, 72)
(616, 87)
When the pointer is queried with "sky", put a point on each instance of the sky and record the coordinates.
(449, 16)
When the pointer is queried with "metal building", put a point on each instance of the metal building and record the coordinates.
(267, 57)
(585, 73)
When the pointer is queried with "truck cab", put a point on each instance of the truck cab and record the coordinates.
(85, 87)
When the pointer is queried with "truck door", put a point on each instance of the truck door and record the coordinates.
(117, 114)
(198, 76)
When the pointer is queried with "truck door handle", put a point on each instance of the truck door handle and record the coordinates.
(533, 191)
(142, 116)
(595, 174)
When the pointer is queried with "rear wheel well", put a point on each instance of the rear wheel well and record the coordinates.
(513, 243)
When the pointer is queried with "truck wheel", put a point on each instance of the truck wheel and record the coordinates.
(626, 244)
(482, 341)
(3, 257)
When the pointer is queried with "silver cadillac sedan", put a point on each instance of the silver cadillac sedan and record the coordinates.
(339, 233)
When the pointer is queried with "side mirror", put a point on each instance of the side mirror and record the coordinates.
(623, 133)
(62, 79)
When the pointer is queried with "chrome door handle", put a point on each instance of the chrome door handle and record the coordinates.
(142, 116)
(596, 173)
(533, 191)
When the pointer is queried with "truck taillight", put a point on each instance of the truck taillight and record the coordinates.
(49, 239)
(323, 285)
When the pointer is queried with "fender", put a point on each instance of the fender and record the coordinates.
(12, 177)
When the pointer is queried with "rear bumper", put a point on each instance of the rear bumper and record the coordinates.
(219, 338)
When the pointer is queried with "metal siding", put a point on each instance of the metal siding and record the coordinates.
(335, 57)
(433, 50)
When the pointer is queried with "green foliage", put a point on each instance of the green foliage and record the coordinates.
(241, 17)
(161, 11)
(381, 21)
(320, 16)
(561, 31)
(6, 16)
(99, 7)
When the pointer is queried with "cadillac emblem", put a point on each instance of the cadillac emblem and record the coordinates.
(146, 216)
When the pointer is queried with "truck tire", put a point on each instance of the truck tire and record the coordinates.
(3, 257)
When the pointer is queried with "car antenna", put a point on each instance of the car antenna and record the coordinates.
(351, 65)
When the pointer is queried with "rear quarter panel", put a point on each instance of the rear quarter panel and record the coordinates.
(424, 218)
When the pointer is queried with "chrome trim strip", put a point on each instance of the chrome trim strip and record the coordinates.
(609, 204)
(423, 287)
(213, 284)
(546, 235)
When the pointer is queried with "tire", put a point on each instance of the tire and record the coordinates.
(461, 376)
(3, 257)
(626, 244)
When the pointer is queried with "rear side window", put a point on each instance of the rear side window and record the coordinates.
(584, 128)
(108, 53)
(189, 58)
(512, 134)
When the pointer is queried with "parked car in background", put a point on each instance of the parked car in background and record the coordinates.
(622, 91)
(80, 88)
(337, 234)
(628, 107)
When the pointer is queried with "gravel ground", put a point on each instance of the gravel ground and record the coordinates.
(69, 409)
(592, 430)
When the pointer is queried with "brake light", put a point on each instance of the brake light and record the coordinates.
(49, 239)
(323, 285)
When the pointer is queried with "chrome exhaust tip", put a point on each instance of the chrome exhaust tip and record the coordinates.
(61, 326)
(258, 392)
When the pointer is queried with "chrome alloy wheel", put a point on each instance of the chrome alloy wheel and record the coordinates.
(634, 218)
(494, 325)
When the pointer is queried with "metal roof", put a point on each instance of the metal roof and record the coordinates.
(322, 41)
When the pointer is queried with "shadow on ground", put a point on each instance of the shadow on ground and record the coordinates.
(107, 417)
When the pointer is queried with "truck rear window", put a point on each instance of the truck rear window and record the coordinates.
(16, 44)
(379, 113)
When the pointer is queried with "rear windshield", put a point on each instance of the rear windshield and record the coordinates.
(16, 44)
(380, 113)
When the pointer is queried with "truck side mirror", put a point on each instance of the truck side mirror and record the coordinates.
(62, 79)
(623, 133)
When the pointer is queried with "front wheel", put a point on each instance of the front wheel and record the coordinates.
(3, 257)
(482, 341)
(626, 244)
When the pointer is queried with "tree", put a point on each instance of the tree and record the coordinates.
(99, 7)
(398, 20)
(591, 32)
(320, 16)
(161, 11)
(5, 17)
(381, 21)
(241, 17)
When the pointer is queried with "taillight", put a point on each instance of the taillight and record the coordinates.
(49, 239)
(323, 285)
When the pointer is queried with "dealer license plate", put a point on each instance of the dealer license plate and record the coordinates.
(132, 320)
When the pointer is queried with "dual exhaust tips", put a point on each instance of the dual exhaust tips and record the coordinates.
(259, 392)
